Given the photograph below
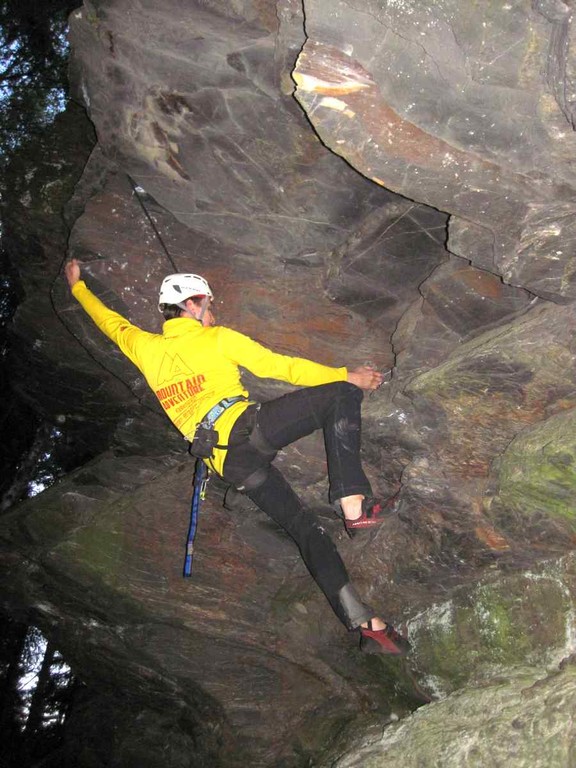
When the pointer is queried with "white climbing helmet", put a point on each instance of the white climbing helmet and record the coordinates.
(175, 289)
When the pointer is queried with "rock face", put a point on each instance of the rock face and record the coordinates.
(520, 722)
(411, 207)
(447, 104)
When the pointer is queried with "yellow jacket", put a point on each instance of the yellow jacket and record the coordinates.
(191, 368)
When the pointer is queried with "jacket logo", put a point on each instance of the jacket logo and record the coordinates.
(173, 367)
(187, 384)
(180, 391)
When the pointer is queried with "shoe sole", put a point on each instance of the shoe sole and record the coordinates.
(371, 646)
(352, 531)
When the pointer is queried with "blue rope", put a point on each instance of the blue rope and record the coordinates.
(197, 497)
(201, 477)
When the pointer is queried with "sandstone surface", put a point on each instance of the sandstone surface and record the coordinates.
(386, 182)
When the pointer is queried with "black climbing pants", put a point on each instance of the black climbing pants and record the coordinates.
(334, 408)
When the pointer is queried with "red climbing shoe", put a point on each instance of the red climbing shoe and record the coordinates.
(386, 641)
(374, 512)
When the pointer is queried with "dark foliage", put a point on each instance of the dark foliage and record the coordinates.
(36, 694)
(18, 423)
(33, 87)
(33, 61)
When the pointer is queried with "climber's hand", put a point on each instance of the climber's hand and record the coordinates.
(72, 272)
(366, 377)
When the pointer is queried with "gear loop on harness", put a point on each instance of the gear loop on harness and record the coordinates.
(205, 437)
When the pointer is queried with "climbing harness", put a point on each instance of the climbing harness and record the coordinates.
(217, 410)
(202, 445)
(205, 438)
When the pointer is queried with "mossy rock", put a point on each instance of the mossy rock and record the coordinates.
(507, 622)
(520, 720)
(537, 472)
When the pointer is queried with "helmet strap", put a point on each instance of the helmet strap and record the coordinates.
(204, 307)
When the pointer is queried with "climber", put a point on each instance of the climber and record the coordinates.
(193, 369)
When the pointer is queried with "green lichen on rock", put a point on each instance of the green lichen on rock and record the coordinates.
(98, 549)
(495, 386)
(537, 472)
(531, 353)
(507, 622)
(82, 528)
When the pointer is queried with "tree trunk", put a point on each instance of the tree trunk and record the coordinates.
(14, 643)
